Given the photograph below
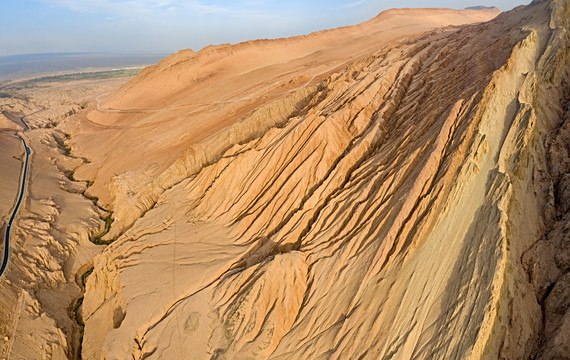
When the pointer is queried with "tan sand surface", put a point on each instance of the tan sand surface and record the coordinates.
(189, 97)
(385, 211)
(50, 243)
(398, 189)
(10, 156)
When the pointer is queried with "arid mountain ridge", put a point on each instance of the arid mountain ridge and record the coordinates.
(406, 149)
(377, 191)
(194, 93)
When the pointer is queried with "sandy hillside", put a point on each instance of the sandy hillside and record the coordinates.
(381, 191)
(188, 97)
(410, 201)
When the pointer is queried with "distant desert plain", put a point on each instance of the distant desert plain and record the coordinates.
(397, 189)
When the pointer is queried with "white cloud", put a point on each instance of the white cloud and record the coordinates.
(353, 4)
(207, 9)
(138, 8)
(257, 2)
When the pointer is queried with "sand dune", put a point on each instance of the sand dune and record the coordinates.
(189, 97)
(397, 189)
(381, 212)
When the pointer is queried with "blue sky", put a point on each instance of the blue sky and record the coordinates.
(131, 26)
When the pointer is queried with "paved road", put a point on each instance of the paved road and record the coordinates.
(24, 179)
(25, 116)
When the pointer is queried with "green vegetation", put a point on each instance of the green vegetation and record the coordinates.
(77, 306)
(66, 149)
(12, 95)
(86, 275)
(95, 75)
(70, 175)
(80, 322)
(108, 222)
(63, 144)
(90, 183)
(94, 199)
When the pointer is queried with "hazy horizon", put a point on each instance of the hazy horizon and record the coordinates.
(166, 26)
(32, 65)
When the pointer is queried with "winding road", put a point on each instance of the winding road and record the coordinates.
(21, 193)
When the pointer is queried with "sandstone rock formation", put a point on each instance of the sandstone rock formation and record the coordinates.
(50, 246)
(235, 91)
(409, 201)
(398, 189)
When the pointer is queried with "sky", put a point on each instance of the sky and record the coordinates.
(164, 26)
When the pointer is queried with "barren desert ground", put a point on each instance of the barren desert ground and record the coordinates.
(397, 189)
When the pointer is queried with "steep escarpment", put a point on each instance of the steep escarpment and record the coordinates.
(399, 208)
(547, 260)
(164, 116)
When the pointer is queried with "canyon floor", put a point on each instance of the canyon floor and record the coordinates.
(398, 189)
(51, 237)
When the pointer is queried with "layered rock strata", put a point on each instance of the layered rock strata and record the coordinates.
(413, 205)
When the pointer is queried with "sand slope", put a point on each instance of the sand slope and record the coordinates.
(399, 207)
(189, 97)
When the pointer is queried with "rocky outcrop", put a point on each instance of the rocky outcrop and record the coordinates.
(49, 246)
(547, 261)
(183, 113)
(413, 204)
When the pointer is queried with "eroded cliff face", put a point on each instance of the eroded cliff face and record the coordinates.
(50, 244)
(183, 113)
(413, 205)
